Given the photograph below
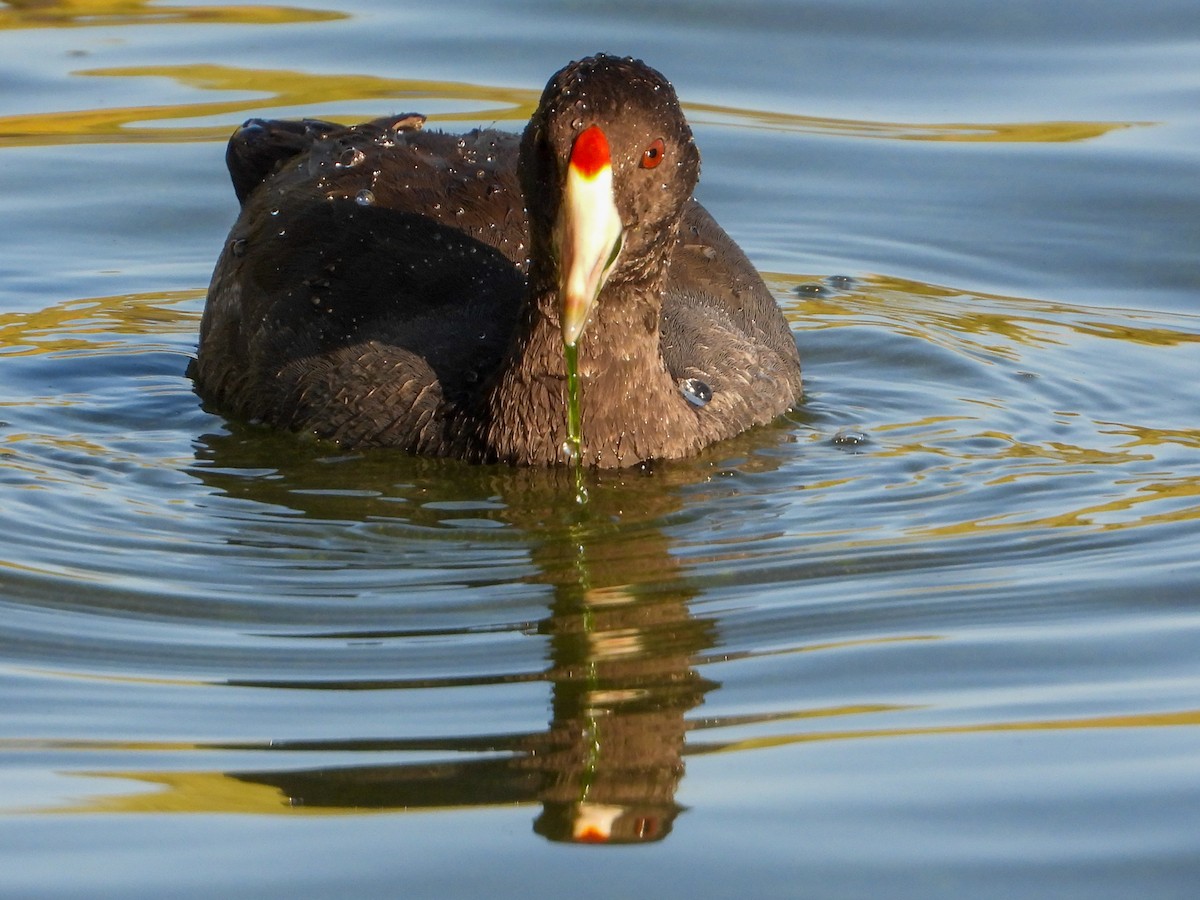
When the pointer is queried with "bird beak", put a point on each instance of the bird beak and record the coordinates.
(588, 233)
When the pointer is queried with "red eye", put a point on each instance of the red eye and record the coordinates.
(654, 154)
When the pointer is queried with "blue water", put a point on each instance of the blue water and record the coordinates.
(933, 634)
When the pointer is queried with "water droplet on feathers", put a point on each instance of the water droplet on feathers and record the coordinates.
(695, 391)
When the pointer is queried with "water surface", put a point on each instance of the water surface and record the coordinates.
(932, 634)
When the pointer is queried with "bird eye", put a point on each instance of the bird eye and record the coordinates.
(653, 154)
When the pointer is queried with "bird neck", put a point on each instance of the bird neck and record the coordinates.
(631, 408)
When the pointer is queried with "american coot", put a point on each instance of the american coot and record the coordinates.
(387, 285)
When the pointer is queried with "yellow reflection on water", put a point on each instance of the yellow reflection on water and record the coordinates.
(297, 93)
(959, 132)
(1141, 436)
(931, 312)
(1183, 718)
(219, 792)
(178, 792)
(1143, 507)
(72, 326)
(20, 14)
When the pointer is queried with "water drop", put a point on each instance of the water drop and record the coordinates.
(316, 164)
(695, 391)
(351, 156)
(850, 439)
(364, 197)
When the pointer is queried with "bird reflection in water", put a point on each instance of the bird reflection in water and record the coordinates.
(623, 683)
(622, 645)
(607, 768)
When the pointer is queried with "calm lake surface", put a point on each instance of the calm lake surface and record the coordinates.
(936, 633)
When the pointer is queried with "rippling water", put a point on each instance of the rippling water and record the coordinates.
(935, 633)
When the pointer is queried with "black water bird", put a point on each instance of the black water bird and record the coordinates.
(388, 285)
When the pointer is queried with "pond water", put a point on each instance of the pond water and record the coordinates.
(933, 634)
